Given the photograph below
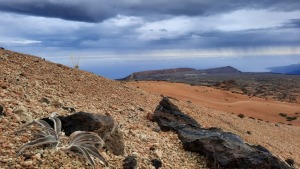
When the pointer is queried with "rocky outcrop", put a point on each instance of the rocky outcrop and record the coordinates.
(103, 125)
(222, 149)
(169, 117)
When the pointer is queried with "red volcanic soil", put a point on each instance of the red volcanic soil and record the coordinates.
(258, 108)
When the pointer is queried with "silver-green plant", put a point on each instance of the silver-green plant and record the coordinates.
(86, 143)
(47, 135)
(75, 61)
(80, 141)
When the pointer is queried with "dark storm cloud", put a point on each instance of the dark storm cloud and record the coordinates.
(294, 23)
(237, 39)
(99, 10)
(68, 10)
(255, 38)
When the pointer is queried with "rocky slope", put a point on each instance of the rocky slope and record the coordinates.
(31, 87)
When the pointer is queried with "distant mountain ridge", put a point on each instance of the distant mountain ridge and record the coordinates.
(180, 72)
(162, 71)
(220, 70)
(153, 73)
(293, 69)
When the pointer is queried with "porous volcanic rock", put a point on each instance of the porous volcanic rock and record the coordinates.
(222, 149)
(156, 163)
(103, 125)
(1, 111)
(130, 162)
(169, 117)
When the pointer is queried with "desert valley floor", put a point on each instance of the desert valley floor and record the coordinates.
(258, 108)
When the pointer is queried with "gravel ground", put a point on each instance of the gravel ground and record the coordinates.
(36, 88)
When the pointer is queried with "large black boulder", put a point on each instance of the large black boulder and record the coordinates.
(103, 125)
(222, 149)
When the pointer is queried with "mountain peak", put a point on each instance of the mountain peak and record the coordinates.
(221, 70)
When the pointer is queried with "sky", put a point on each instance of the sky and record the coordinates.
(116, 38)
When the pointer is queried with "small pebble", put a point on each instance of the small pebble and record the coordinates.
(159, 153)
(27, 163)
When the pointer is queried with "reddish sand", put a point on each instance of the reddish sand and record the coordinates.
(258, 108)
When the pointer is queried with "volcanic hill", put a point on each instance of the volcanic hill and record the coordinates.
(39, 88)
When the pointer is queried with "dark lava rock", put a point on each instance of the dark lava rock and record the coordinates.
(129, 162)
(156, 163)
(290, 162)
(222, 149)
(152, 148)
(103, 125)
(241, 116)
(1, 111)
(169, 117)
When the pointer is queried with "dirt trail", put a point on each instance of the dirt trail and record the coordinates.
(265, 109)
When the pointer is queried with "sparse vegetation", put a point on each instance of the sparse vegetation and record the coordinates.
(291, 118)
(83, 142)
(288, 118)
(241, 116)
(75, 62)
(283, 114)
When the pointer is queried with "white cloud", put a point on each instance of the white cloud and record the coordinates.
(123, 21)
(19, 41)
(23, 26)
(240, 20)
(253, 19)
(223, 52)
(169, 28)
